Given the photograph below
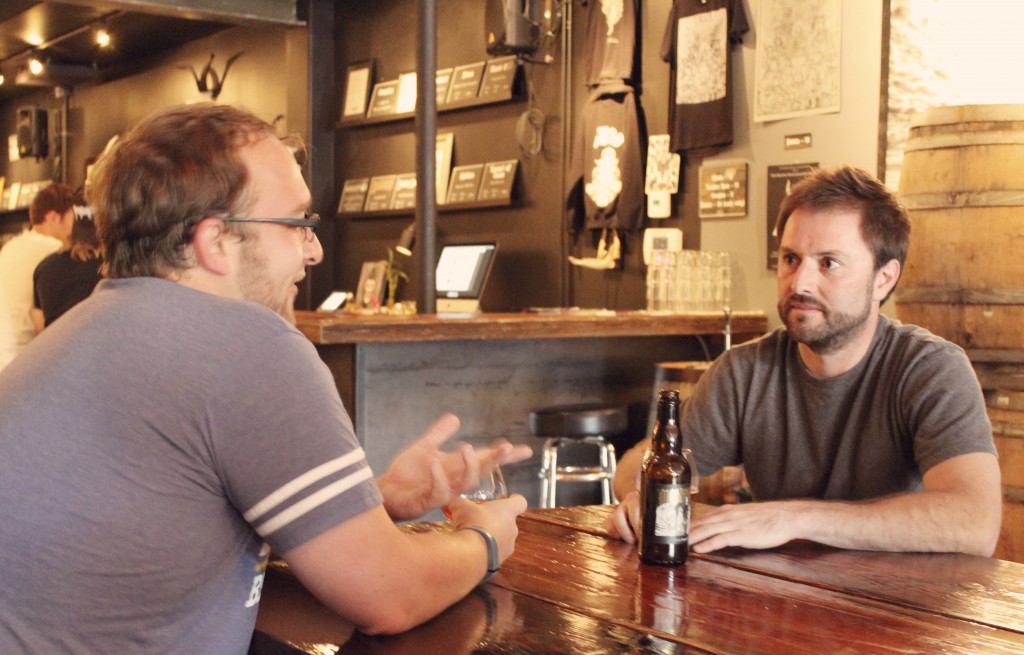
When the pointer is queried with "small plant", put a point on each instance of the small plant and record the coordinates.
(393, 273)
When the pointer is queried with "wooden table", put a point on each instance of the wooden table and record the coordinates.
(569, 589)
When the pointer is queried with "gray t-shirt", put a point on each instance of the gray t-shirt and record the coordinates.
(155, 443)
(911, 403)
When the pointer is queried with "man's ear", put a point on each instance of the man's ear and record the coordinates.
(211, 246)
(886, 278)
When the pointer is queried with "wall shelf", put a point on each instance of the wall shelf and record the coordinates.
(442, 209)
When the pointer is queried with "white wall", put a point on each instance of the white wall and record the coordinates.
(847, 137)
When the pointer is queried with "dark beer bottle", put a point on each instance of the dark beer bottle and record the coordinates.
(665, 489)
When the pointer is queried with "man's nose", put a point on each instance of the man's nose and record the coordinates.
(313, 252)
(804, 277)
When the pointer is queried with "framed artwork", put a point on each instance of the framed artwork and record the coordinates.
(370, 292)
(358, 82)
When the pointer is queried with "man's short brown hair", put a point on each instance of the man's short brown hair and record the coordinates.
(171, 171)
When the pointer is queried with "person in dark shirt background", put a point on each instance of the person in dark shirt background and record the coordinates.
(67, 277)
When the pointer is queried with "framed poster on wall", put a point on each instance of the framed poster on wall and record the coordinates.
(780, 180)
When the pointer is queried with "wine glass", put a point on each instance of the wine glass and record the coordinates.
(492, 487)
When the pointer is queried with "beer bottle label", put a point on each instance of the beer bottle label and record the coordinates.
(672, 514)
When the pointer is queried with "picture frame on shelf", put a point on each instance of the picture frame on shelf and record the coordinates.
(404, 196)
(384, 101)
(443, 164)
(12, 199)
(378, 196)
(443, 80)
(353, 195)
(465, 82)
(358, 82)
(465, 183)
(499, 76)
(498, 179)
(406, 93)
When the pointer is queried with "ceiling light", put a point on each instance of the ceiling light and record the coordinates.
(35, 66)
(102, 38)
(1, 79)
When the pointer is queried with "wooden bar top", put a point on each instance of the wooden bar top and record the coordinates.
(340, 328)
(570, 589)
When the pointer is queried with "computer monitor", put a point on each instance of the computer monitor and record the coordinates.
(461, 276)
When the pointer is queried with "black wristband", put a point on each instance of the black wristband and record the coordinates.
(492, 549)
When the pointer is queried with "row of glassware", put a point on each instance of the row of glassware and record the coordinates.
(688, 281)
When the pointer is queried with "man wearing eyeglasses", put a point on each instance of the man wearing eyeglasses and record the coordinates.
(170, 432)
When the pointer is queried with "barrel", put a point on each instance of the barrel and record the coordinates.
(963, 185)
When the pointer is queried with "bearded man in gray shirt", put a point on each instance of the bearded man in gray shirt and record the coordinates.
(853, 430)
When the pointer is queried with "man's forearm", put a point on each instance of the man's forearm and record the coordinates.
(932, 521)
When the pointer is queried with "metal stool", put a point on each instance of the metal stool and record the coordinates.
(587, 424)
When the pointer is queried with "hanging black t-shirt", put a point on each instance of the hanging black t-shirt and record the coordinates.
(697, 39)
(611, 41)
(606, 172)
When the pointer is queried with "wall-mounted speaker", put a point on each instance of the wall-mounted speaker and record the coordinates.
(511, 26)
(32, 132)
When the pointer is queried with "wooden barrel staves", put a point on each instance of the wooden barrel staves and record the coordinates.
(963, 185)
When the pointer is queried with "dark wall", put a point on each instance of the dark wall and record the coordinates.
(267, 79)
(527, 270)
(531, 268)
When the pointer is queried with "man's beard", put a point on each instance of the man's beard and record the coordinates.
(835, 332)
(255, 285)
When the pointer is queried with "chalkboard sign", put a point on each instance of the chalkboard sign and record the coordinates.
(723, 190)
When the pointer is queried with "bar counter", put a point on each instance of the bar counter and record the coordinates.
(396, 374)
(570, 589)
(340, 328)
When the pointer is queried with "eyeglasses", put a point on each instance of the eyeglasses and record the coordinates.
(307, 223)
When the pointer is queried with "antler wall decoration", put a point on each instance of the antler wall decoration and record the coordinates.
(208, 81)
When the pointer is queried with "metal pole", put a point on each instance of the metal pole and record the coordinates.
(426, 147)
(566, 134)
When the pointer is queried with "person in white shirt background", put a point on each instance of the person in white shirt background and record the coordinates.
(50, 218)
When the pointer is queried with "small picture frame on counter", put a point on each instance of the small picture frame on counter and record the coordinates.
(358, 82)
(370, 292)
(465, 183)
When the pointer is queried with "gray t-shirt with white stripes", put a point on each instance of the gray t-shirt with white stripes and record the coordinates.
(156, 442)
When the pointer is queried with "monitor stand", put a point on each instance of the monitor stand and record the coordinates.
(458, 306)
